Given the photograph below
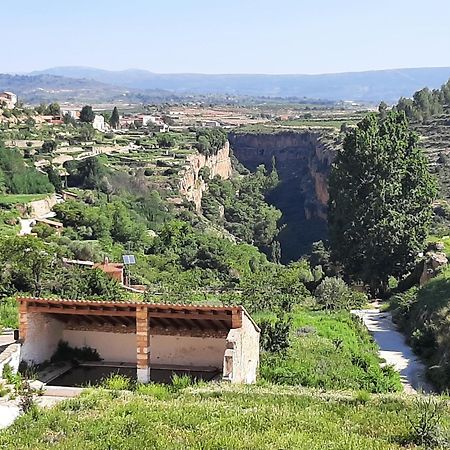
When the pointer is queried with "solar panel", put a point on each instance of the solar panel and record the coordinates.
(129, 259)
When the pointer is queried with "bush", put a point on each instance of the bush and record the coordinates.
(425, 423)
(333, 294)
(26, 402)
(65, 352)
(275, 335)
(159, 391)
(180, 382)
(117, 382)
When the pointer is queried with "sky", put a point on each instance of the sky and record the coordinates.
(227, 36)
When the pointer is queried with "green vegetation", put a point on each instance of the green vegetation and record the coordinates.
(329, 351)
(423, 315)
(35, 266)
(220, 417)
(87, 115)
(246, 213)
(8, 313)
(114, 120)
(379, 223)
(210, 140)
(425, 103)
(18, 178)
(20, 199)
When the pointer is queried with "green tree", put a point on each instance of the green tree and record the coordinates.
(49, 146)
(87, 115)
(29, 260)
(165, 140)
(54, 178)
(114, 121)
(53, 109)
(380, 200)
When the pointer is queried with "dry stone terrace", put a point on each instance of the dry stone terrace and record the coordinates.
(145, 334)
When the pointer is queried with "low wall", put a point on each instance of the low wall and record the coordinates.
(10, 356)
(39, 208)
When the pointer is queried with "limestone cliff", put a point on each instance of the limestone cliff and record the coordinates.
(302, 157)
(303, 161)
(192, 185)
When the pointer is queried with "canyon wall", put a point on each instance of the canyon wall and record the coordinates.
(192, 185)
(303, 161)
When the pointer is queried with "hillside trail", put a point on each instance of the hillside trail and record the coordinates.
(394, 349)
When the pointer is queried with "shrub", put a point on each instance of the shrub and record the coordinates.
(65, 352)
(117, 382)
(26, 402)
(275, 335)
(180, 382)
(425, 423)
(333, 294)
(159, 391)
(362, 397)
(10, 376)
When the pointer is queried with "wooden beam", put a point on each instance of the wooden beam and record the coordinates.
(79, 311)
(196, 316)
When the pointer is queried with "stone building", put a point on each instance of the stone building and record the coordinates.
(223, 340)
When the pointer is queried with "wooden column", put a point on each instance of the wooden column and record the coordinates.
(23, 320)
(143, 344)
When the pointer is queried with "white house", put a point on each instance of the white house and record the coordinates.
(9, 99)
(99, 123)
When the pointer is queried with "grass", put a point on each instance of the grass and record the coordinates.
(9, 316)
(221, 417)
(444, 240)
(330, 351)
(17, 199)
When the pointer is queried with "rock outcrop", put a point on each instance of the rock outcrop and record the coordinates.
(192, 185)
(303, 158)
(303, 161)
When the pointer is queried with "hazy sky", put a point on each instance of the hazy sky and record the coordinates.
(225, 36)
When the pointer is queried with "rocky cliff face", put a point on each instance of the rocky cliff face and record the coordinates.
(303, 160)
(192, 185)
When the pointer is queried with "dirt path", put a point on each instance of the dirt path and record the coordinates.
(394, 350)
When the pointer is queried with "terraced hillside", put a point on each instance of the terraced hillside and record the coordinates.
(435, 138)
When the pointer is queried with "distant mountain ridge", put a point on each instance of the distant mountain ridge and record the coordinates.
(49, 87)
(369, 86)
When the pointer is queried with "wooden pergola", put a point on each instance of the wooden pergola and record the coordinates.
(143, 319)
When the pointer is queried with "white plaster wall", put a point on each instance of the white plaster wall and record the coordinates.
(244, 345)
(165, 350)
(43, 335)
(111, 346)
(250, 350)
(186, 350)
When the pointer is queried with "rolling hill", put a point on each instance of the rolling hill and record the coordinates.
(371, 86)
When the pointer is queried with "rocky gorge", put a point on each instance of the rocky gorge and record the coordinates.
(303, 160)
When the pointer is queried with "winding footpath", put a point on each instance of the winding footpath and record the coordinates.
(394, 349)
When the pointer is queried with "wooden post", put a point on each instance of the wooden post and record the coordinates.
(143, 344)
(23, 320)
